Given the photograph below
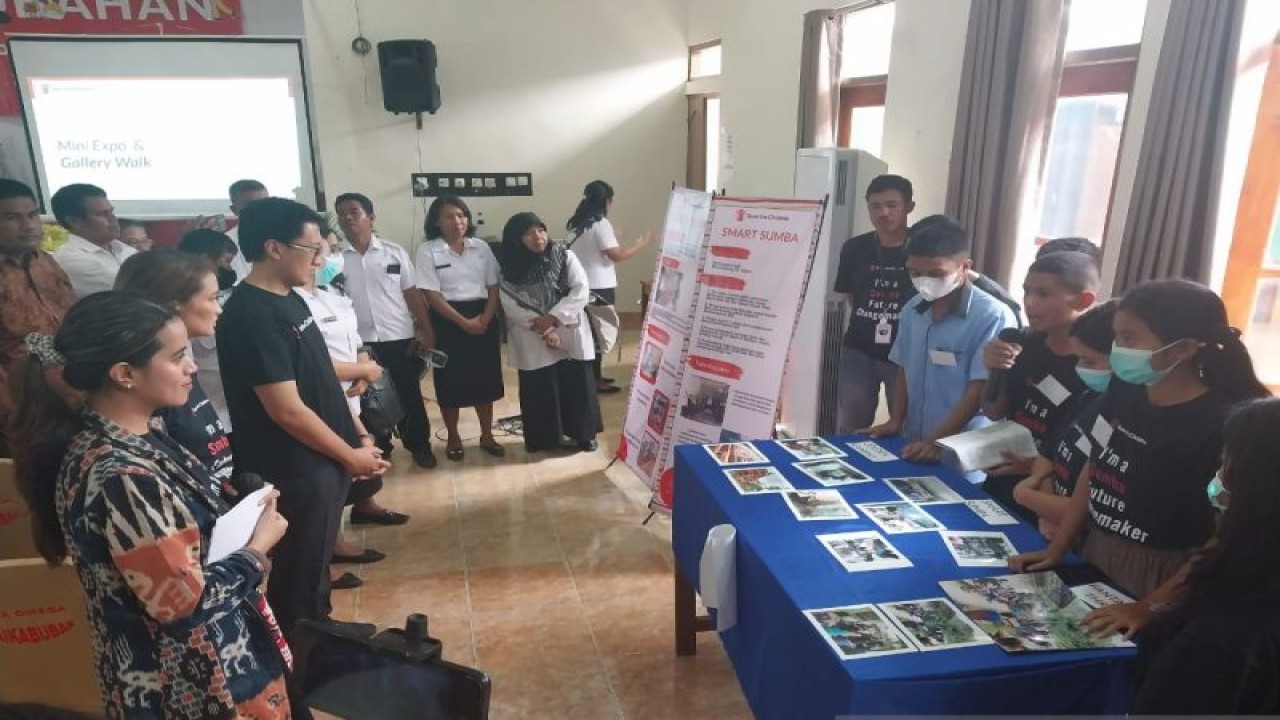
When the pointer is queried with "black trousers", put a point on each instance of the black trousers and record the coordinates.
(557, 401)
(406, 373)
(311, 500)
(607, 296)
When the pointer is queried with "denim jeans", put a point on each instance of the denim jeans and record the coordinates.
(858, 384)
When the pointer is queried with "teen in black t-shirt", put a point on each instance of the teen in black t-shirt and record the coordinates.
(1157, 442)
(293, 424)
(873, 277)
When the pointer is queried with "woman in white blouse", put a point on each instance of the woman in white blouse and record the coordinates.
(544, 295)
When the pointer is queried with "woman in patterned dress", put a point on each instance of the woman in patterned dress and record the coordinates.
(174, 636)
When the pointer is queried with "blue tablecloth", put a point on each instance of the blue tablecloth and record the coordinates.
(787, 669)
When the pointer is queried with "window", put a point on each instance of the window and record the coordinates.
(864, 75)
(1101, 56)
(704, 60)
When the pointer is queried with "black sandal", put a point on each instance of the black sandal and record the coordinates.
(493, 448)
(454, 453)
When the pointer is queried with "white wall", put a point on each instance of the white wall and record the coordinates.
(567, 90)
(760, 89)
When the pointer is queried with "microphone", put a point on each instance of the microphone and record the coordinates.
(246, 483)
(998, 379)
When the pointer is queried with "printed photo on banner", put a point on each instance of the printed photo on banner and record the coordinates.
(934, 624)
(819, 505)
(972, 548)
(926, 490)
(862, 551)
(658, 410)
(735, 453)
(872, 451)
(900, 517)
(810, 448)
(649, 449)
(650, 361)
(858, 631)
(667, 291)
(754, 480)
(832, 473)
(706, 401)
(1027, 613)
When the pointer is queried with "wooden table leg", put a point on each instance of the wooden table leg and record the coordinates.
(688, 622)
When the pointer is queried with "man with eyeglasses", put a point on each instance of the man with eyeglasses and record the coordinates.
(391, 313)
(292, 423)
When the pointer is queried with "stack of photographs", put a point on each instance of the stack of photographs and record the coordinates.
(832, 472)
(818, 505)
(928, 490)
(863, 551)
(858, 631)
(900, 517)
(814, 448)
(1027, 613)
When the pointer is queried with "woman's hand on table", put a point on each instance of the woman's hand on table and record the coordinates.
(1127, 618)
(1036, 560)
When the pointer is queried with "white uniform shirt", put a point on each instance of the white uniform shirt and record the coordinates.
(91, 268)
(336, 318)
(590, 247)
(238, 263)
(457, 277)
(376, 283)
(528, 350)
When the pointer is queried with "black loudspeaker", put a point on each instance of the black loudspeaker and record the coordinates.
(408, 69)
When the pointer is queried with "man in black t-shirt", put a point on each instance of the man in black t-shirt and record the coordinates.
(873, 278)
(293, 424)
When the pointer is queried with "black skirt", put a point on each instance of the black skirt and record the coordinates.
(559, 401)
(473, 375)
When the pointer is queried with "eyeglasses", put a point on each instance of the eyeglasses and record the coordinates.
(315, 250)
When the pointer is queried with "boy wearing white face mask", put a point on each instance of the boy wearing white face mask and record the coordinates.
(938, 350)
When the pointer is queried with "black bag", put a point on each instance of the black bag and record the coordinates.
(380, 408)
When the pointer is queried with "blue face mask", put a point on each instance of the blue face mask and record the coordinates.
(1134, 366)
(1095, 380)
(331, 269)
(1217, 492)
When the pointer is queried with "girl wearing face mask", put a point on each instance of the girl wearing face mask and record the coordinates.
(1157, 443)
(1047, 491)
(1215, 648)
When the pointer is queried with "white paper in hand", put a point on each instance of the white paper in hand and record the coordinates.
(982, 448)
(233, 530)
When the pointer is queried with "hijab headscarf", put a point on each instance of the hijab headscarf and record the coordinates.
(536, 281)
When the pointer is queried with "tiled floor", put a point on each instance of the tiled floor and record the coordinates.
(537, 570)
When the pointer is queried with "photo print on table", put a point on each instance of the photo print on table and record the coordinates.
(818, 505)
(858, 631)
(814, 448)
(736, 453)
(934, 624)
(863, 551)
(872, 451)
(755, 480)
(927, 490)
(832, 472)
(972, 548)
(990, 512)
(900, 517)
(706, 401)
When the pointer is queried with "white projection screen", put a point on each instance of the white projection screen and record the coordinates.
(164, 125)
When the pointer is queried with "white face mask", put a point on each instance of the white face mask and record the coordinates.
(932, 288)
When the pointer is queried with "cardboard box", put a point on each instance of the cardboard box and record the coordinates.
(45, 643)
(15, 518)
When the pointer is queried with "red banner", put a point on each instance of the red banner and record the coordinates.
(111, 17)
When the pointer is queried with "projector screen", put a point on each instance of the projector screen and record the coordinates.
(164, 125)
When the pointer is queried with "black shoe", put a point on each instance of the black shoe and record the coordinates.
(608, 389)
(385, 447)
(368, 555)
(588, 446)
(381, 517)
(611, 381)
(351, 629)
(347, 581)
(425, 459)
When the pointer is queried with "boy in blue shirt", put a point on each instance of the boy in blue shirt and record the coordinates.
(938, 351)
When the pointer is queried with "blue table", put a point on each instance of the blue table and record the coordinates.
(787, 670)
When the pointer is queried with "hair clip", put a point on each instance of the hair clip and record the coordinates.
(42, 348)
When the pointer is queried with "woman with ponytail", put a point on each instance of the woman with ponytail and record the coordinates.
(175, 636)
(593, 241)
(1157, 443)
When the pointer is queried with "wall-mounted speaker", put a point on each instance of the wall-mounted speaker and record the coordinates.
(408, 70)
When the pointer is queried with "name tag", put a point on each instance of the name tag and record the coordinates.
(884, 333)
(331, 318)
(1082, 444)
(942, 357)
(1102, 432)
(1053, 390)
(393, 269)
